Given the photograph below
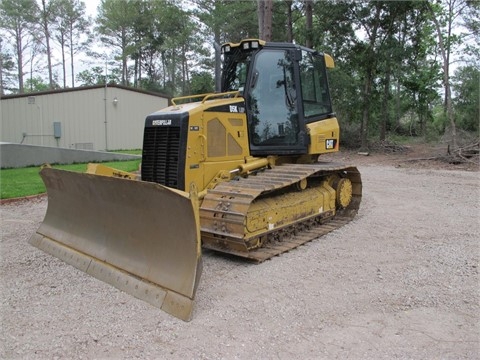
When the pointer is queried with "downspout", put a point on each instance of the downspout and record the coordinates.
(105, 98)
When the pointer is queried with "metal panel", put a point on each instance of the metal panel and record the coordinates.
(87, 116)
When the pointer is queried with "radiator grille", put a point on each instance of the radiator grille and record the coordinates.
(161, 153)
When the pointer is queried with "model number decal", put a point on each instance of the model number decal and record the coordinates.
(161, 122)
(236, 109)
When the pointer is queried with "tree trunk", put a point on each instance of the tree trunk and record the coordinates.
(187, 74)
(309, 23)
(398, 104)
(173, 80)
(1, 69)
(135, 72)
(124, 57)
(267, 20)
(261, 18)
(385, 112)
(71, 55)
(62, 45)
(366, 110)
(445, 52)
(218, 62)
(184, 70)
(369, 74)
(289, 21)
(139, 75)
(21, 89)
(164, 70)
(47, 43)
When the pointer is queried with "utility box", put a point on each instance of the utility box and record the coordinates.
(57, 129)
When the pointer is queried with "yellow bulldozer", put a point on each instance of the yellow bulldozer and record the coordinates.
(236, 171)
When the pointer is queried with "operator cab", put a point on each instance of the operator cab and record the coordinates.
(284, 86)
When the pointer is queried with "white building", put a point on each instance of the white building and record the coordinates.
(89, 118)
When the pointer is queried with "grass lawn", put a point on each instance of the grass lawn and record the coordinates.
(129, 152)
(26, 181)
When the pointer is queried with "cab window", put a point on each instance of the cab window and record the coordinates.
(315, 94)
(272, 100)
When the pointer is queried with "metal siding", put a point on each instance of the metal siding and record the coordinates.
(82, 118)
(126, 119)
(19, 117)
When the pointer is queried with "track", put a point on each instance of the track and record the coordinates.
(224, 211)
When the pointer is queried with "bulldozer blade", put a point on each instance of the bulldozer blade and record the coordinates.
(140, 237)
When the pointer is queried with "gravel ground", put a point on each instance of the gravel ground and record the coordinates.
(400, 281)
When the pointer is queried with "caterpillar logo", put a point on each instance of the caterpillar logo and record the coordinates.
(161, 122)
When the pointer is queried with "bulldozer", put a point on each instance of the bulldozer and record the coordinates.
(237, 171)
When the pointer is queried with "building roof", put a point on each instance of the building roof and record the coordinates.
(83, 88)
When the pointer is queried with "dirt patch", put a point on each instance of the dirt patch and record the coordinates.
(415, 156)
(400, 281)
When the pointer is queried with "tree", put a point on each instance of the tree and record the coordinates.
(471, 36)
(265, 17)
(309, 23)
(115, 21)
(97, 76)
(169, 61)
(446, 15)
(17, 19)
(379, 48)
(376, 19)
(47, 17)
(155, 41)
(211, 14)
(7, 70)
(201, 83)
(289, 20)
(418, 83)
(72, 32)
(35, 84)
(226, 21)
(466, 86)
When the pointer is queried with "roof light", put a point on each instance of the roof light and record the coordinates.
(246, 45)
(226, 49)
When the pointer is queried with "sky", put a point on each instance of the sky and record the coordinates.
(91, 6)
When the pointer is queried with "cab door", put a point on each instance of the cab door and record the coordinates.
(272, 100)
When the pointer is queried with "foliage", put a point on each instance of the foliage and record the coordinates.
(35, 84)
(7, 74)
(466, 85)
(17, 20)
(201, 83)
(72, 33)
(97, 76)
